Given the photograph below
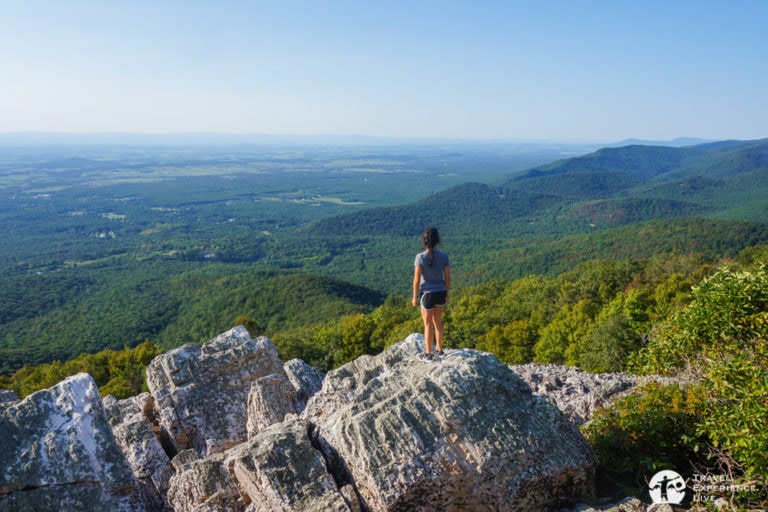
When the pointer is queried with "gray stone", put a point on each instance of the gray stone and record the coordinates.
(183, 458)
(7, 396)
(626, 505)
(306, 379)
(281, 470)
(137, 437)
(578, 393)
(201, 393)
(59, 453)
(271, 398)
(204, 485)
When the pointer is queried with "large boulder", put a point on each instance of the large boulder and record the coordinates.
(201, 393)
(58, 453)
(462, 433)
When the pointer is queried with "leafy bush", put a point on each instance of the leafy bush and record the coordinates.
(652, 429)
(736, 416)
(512, 343)
(331, 344)
(720, 341)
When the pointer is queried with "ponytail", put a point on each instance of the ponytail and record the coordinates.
(430, 238)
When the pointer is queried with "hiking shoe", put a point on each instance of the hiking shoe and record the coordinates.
(426, 357)
(439, 353)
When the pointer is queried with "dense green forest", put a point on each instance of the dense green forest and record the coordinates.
(123, 301)
(168, 303)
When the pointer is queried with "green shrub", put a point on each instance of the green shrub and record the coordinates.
(720, 341)
(652, 429)
(116, 372)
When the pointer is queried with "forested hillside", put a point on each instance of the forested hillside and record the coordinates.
(609, 188)
(385, 262)
(717, 160)
(58, 316)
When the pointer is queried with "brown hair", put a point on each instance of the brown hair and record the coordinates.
(430, 238)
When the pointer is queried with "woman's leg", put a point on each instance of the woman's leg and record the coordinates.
(437, 322)
(426, 316)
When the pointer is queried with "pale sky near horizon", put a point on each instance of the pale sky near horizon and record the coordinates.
(575, 70)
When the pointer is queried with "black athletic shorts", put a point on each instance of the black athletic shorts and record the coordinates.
(431, 299)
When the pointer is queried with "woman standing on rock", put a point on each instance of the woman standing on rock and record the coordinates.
(431, 282)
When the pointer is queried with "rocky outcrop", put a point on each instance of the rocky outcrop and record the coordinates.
(201, 393)
(390, 432)
(59, 453)
(577, 393)
(229, 427)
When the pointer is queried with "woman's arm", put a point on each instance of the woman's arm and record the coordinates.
(447, 279)
(416, 282)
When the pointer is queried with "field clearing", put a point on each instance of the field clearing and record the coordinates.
(338, 200)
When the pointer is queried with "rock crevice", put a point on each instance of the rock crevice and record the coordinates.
(338, 470)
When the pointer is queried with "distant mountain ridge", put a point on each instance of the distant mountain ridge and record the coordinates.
(206, 139)
(715, 159)
(608, 188)
(677, 142)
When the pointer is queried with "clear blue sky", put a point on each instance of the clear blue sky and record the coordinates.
(575, 70)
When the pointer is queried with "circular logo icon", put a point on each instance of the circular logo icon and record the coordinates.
(667, 487)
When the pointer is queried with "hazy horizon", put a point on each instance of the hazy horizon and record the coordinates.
(35, 138)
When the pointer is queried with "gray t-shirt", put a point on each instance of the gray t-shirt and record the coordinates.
(432, 277)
